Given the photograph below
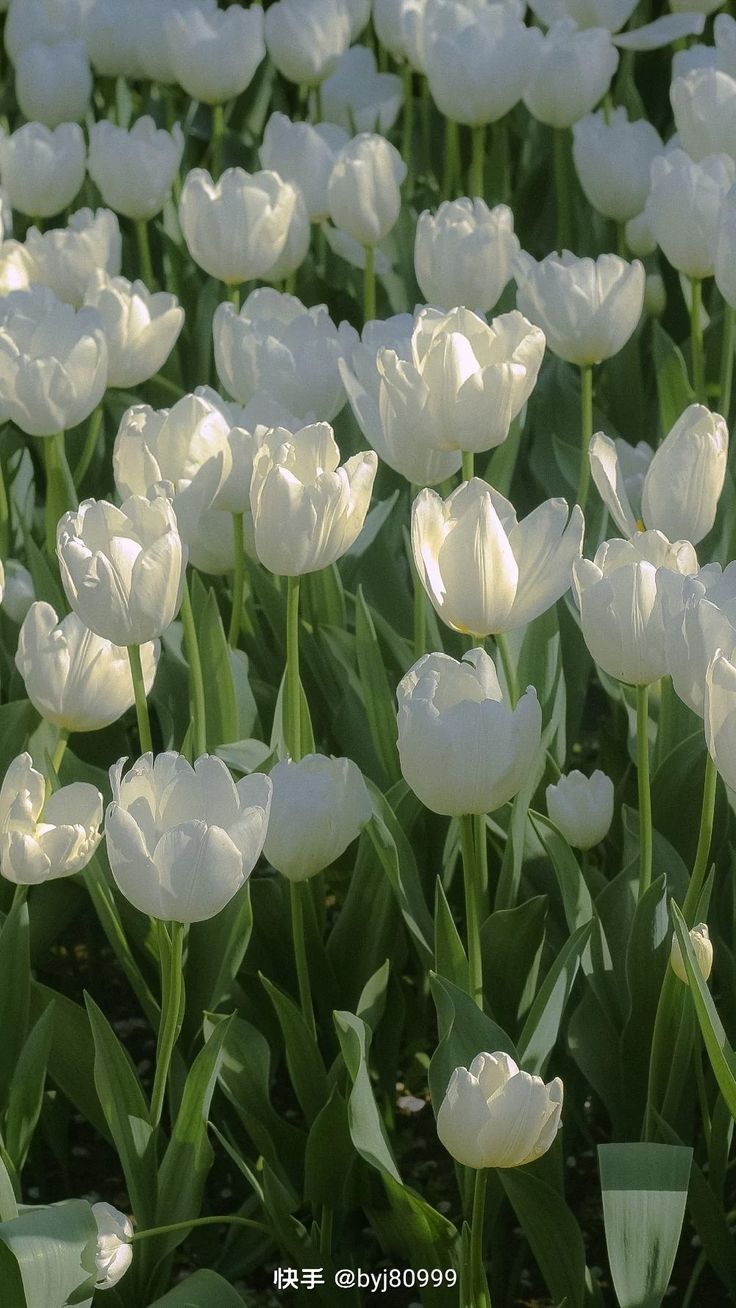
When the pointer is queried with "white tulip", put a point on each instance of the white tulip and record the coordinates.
(613, 157)
(237, 227)
(42, 839)
(305, 38)
(111, 37)
(684, 206)
(612, 14)
(359, 98)
(17, 268)
(494, 1115)
(134, 169)
(720, 714)
(700, 618)
(296, 245)
(303, 154)
(359, 12)
(704, 107)
(587, 308)
(141, 327)
(215, 52)
(725, 253)
(582, 807)
(319, 805)
(42, 20)
(478, 61)
(42, 170)
(114, 1252)
(67, 259)
(363, 191)
(573, 72)
(154, 44)
(703, 947)
(53, 83)
(463, 253)
(19, 592)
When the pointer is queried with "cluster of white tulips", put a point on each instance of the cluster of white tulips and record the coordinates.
(357, 578)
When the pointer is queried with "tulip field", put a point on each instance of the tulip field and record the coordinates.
(367, 654)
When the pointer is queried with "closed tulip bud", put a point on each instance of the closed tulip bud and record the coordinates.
(704, 107)
(307, 510)
(141, 327)
(19, 593)
(700, 617)
(359, 12)
(237, 227)
(42, 20)
(114, 1252)
(53, 362)
(215, 52)
(720, 714)
(182, 840)
(639, 236)
(134, 169)
(75, 679)
(112, 39)
(296, 246)
(305, 38)
(187, 446)
(278, 349)
(655, 295)
(587, 308)
(466, 380)
(682, 482)
(319, 806)
(572, 74)
(620, 595)
(53, 83)
(68, 259)
(478, 61)
(123, 569)
(582, 807)
(42, 839)
(725, 255)
(494, 1115)
(42, 170)
(363, 191)
(358, 97)
(703, 947)
(684, 208)
(463, 253)
(462, 748)
(154, 44)
(403, 446)
(388, 23)
(484, 571)
(303, 154)
(613, 158)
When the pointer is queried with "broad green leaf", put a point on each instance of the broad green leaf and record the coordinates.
(303, 1059)
(553, 1233)
(708, 1216)
(204, 1289)
(644, 1194)
(15, 973)
(511, 943)
(366, 1126)
(330, 1156)
(463, 1031)
(17, 720)
(25, 1097)
(673, 383)
(545, 1015)
(217, 673)
(647, 957)
(720, 1053)
(354, 953)
(323, 598)
(372, 1002)
(421, 1236)
(450, 959)
(215, 951)
(278, 738)
(72, 1057)
(378, 697)
(8, 1204)
(397, 859)
(54, 1249)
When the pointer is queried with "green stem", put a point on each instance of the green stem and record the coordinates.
(645, 797)
(407, 125)
(562, 189)
(297, 891)
(477, 162)
(144, 252)
(325, 1231)
(229, 1220)
(218, 136)
(59, 494)
(233, 295)
(5, 524)
(196, 681)
(369, 285)
(90, 444)
(172, 990)
(468, 466)
(509, 671)
(238, 580)
(141, 702)
(481, 849)
(702, 1093)
(451, 163)
(472, 926)
(425, 111)
(20, 894)
(479, 1296)
(705, 835)
(60, 749)
(696, 339)
(292, 688)
(621, 248)
(503, 188)
(729, 317)
(586, 431)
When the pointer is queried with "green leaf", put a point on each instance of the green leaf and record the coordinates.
(372, 1002)
(17, 721)
(545, 1015)
(421, 1236)
(720, 1053)
(204, 1289)
(673, 383)
(303, 1059)
(397, 859)
(54, 1250)
(330, 1156)
(511, 942)
(278, 738)
(366, 1127)
(464, 1031)
(644, 1194)
(450, 959)
(553, 1234)
(217, 674)
(378, 697)
(72, 1057)
(215, 951)
(8, 1204)
(15, 972)
(25, 1098)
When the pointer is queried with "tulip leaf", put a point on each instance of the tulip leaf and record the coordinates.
(397, 859)
(367, 1131)
(330, 1157)
(278, 737)
(511, 942)
(553, 1234)
(8, 1202)
(673, 383)
(593, 1042)
(646, 959)
(450, 959)
(72, 1056)
(25, 1097)
(303, 1059)
(215, 951)
(378, 698)
(371, 1005)
(463, 1031)
(542, 1025)
(51, 1256)
(707, 1215)
(203, 1289)
(721, 1055)
(323, 598)
(421, 1235)
(354, 953)
(217, 674)
(15, 972)
(645, 1190)
(17, 721)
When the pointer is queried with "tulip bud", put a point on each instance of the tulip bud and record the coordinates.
(307, 510)
(68, 259)
(53, 83)
(363, 191)
(587, 308)
(494, 1115)
(704, 106)
(42, 170)
(478, 59)
(114, 1252)
(42, 839)
(463, 254)
(462, 748)
(305, 38)
(703, 947)
(215, 52)
(700, 617)
(134, 170)
(572, 74)
(296, 245)
(720, 714)
(639, 236)
(684, 207)
(319, 805)
(725, 256)
(237, 227)
(655, 295)
(303, 154)
(613, 158)
(19, 591)
(359, 98)
(182, 840)
(42, 20)
(582, 807)
(141, 327)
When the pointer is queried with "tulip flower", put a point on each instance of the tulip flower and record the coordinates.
(215, 52)
(463, 254)
(114, 1252)
(683, 208)
(42, 170)
(277, 349)
(724, 260)
(41, 20)
(237, 227)
(359, 98)
(53, 82)
(681, 483)
(68, 259)
(141, 327)
(581, 807)
(703, 947)
(42, 839)
(478, 60)
(303, 154)
(613, 157)
(19, 592)
(319, 805)
(112, 38)
(720, 714)
(484, 571)
(74, 678)
(305, 38)
(704, 108)
(134, 169)
(364, 199)
(700, 618)
(494, 1115)
(572, 73)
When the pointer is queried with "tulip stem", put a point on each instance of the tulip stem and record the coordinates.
(59, 485)
(472, 925)
(645, 797)
(451, 168)
(562, 189)
(705, 835)
(479, 1296)
(478, 161)
(407, 124)
(171, 953)
(144, 252)
(696, 339)
(233, 295)
(729, 316)
(369, 285)
(141, 702)
(60, 749)
(509, 671)
(5, 524)
(238, 580)
(297, 890)
(218, 137)
(90, 444)
(221, 1220)
(195, 674)
(586, 431)
(468, 465)
(292, 710)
